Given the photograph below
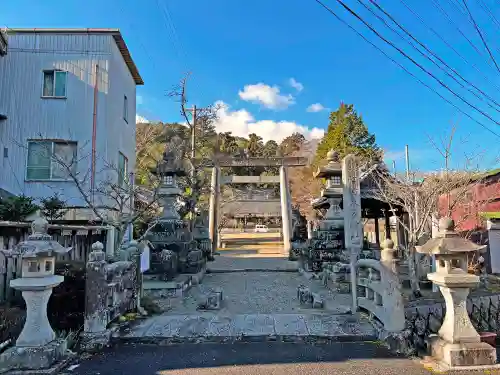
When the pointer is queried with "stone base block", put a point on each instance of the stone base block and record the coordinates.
(34, 358)
(466, 354)
(95, 341)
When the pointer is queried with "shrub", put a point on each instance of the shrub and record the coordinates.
(11, 322)
(16, 208)
(67, 304)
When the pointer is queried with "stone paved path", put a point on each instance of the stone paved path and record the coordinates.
(259, 299)
(209, 326)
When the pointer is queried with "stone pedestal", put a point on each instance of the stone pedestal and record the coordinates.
(460, 355)
(36, 292)
(35, 357)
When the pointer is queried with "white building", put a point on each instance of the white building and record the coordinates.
(51, 102)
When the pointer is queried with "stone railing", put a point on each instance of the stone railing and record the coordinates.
(379, 289)
(111, 290)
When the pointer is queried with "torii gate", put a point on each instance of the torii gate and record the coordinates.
(234, 161)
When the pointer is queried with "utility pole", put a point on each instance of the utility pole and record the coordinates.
(407, 156)
(194, 111)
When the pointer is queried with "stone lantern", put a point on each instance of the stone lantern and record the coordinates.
(38, 256)
(332, 172)
(458, 343)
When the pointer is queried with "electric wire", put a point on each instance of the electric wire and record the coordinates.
(464, 59)
(476, 26)
(450, 20)
(432, 53)
(405, 69)
(415, 62)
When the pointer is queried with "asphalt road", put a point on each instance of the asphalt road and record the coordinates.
(249, 359)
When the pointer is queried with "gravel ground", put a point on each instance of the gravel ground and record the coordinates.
(250, 359)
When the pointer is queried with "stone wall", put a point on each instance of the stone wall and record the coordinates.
(111, 290)
(424, 320)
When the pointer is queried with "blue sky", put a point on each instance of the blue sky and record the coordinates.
(245, 53)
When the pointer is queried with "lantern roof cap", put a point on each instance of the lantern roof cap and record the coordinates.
(39, 244)
(448, 242)
(333, 168)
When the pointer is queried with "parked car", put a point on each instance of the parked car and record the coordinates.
(261, 228)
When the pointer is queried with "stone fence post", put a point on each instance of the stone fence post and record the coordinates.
(95, 291)
(387, 255)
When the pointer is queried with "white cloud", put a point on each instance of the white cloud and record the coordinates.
(267, 96)
(296, 85)
(316, 107)
(241, 123)
(140, 119)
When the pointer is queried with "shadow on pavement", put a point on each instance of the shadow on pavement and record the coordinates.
(153, 360)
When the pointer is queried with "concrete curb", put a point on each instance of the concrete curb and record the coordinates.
(165, 341)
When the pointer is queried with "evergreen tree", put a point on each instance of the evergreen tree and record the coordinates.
(347, 133)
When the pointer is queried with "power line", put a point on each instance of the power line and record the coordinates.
(432, 53)
(488, 11)
(422, 21)
(406, 70)
(436, 4)
(481, 35)
(416, 63)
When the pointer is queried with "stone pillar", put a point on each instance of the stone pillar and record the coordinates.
(353, 227)
(95, 289)
(494, 241)
(309, 229)
(377, 232)
(387, 224)
(214, 207)
(285, 210)
(110, 241)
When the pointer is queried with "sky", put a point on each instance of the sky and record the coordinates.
(280, 66)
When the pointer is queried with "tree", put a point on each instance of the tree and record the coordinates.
(271, 149)
(347, 134)
(420, 200)
(255, 145)
(292, 144)
(112, 198)
(53, 208)
(205, 144)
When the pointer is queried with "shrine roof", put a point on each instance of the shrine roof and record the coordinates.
(269, 207)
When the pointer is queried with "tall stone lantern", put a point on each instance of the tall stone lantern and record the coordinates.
(458, 343)
(327, 241)
(38, 255)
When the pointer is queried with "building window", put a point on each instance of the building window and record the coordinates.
(125, 109)
(122, 169)
(54, 84)
(51, 160)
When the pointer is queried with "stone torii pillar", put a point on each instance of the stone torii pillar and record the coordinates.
(214, 208)
(286, 214)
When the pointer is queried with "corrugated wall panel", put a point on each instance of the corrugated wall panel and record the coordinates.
(29, 115)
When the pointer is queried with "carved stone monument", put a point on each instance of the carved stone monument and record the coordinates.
(36, 347)
(353, 226)
(458, 343)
